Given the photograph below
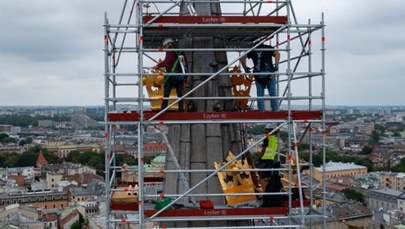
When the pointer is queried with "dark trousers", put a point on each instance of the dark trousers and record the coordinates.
(266, 164)
(171, 83)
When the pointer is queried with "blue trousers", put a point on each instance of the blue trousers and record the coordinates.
(271, 86)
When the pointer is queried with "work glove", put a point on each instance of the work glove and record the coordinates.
(275, 68)
(247, 69)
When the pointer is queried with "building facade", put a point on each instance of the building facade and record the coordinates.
(384, 199)
(338, 169)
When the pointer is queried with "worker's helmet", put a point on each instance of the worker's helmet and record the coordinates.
(270, 126)
(167, 41)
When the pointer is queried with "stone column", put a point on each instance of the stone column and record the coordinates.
(198, 146)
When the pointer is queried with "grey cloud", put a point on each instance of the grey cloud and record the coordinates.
(61, 42)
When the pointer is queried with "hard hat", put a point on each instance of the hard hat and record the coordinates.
(167, 41)
(269, 126)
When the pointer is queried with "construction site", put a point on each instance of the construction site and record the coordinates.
(210, 178)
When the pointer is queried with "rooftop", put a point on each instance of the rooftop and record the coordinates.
(388, 191)
(41, 159)
(339, 166)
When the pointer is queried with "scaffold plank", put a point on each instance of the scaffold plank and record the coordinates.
(217, 211)
(220, 212)
(216, 19)
(204, 212)
(240, 31)
(248, 115)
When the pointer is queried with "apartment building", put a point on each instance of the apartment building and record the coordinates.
(44, 199)
(392, 180)
(338, 169)
(385, 199)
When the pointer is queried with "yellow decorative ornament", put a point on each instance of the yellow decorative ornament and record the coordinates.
(153, 81)
(241, 85)
(237, 181)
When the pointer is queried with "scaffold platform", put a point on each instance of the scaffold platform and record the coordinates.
(135, 116)
(236, 31)
(211, 162)
(218, 212)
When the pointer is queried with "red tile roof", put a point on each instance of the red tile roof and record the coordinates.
(41, 159)
(49, 217)
(152, 145)
(68, 218)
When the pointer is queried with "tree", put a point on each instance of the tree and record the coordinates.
(8, 140)
(51, 158)
(9, 159)
(28, 158)
(126, 159)
(73, 156)
(29, 140)
(367, 150)
(400, 167)
(304, 146)
(354, 195)
(316, 158)
(375, 137)
(379, 128)
(2, 136)
(92, 159)
(80, 223)
(76, 225)
(22, 142)
(25, 141)
(397, 134)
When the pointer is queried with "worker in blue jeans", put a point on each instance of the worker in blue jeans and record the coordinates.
(263, 63)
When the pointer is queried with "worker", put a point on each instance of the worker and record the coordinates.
(268, 151)
(174, 62)
(263, 64)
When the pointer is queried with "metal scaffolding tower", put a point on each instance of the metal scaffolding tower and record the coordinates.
(133, 44)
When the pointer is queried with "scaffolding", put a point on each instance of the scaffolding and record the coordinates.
(134, 43)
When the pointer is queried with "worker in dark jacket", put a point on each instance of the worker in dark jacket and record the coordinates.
(263, 65)
(174, 62)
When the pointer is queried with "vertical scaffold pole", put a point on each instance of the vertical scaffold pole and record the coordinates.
(298, 169)
(141, 124)
(311, 199)
(106, 129)
(289, 80)
(323, 122)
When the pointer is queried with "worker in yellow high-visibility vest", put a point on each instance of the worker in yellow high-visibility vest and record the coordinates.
(268, 151)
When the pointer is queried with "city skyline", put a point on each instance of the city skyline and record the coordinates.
(52, 51)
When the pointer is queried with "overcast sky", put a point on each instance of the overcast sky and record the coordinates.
(51, 51)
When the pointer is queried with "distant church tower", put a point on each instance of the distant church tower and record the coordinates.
(41, 160)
